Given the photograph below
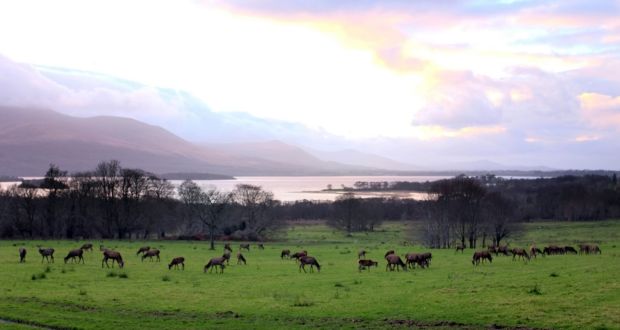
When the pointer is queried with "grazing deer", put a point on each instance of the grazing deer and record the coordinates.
(150, 254)
(240, 259)
(77, 253)
(570, 249)
(261, 246)
(227, 247)
(366, 263)
(244, 246)
(143, 250)
(394, 261)
(534, 251)
(46, 254)
(412, 259)
(115, 256)
(176, 262)
(285, 253)
(553, 249)
(87, 247)
(299, 255)
(361, 254)
(503, 249)
(589, 248)
(519, 252)
(388, 253)
(306, 260)
(218, 261)
(460, 247)
(22, 255)
(226, 257)
(480, 256)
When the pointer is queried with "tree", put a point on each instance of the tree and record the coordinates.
(499, 211)
(54, 182)
(346, 212)
(256, 205)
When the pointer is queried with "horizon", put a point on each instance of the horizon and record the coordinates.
(514, 83)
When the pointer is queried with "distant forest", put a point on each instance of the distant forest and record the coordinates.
(115, 202)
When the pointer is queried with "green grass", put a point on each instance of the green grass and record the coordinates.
(568, 292)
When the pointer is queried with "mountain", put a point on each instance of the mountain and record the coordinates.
(351, 156)
(32, 138)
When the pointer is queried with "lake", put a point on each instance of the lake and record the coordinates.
(292, 188)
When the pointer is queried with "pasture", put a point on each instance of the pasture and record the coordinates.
(564, 292)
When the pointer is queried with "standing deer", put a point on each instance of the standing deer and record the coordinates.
(226, 257)
(22, 255)
(176, 262)
(261, 246)
(244, 246)
(240, 259)
(394, 261)
(218, 261)
(87, 247)
(77, 253)
(285, 253)
(47, 254)
(361, 254)
(115, 256)
(227, 247)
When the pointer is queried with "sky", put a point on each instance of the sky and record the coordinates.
(519, 82)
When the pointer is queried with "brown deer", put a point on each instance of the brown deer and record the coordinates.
(244, 246)
(306, 260)
(240, 259)
(570, 249)
(87, 247)
(521, 253)
(460, 247)
(366, 263)
(47, 254)
(388, 253)
(150, 254)
(261, 246)
(480, 256)
(143, 250)
(534, 251)
(22, 255)
(77, 253)
(227, 247)
(218, 261)
(176, 262)
(298, 255)
(226, 257)
(553, 250)
(285, 253)
(361, 254)
(589, 248)
(115, 256)
(412, 259)
(394, 261)
(503, 249)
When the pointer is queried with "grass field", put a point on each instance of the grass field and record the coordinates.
(568, 292)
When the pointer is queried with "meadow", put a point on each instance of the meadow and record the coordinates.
(560, 292)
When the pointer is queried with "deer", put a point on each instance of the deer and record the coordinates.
(115, 256)
(240, 259)
(87, 247)
(150, 254)
(143, 250)
(306, 260)
(218, 261)
(366, 263)
(77, 253)
(22, 255)
(176, 262)
(244, 246)
(46, 254)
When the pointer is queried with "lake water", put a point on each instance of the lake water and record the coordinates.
(292, 188)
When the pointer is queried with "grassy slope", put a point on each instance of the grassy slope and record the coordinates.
(574, 292)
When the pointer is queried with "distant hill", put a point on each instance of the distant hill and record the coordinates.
(196, 176)
(31, 139)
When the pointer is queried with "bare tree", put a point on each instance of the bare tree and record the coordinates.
(257, 205)
(346, 212)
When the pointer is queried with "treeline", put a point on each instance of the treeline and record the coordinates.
(116, 202)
